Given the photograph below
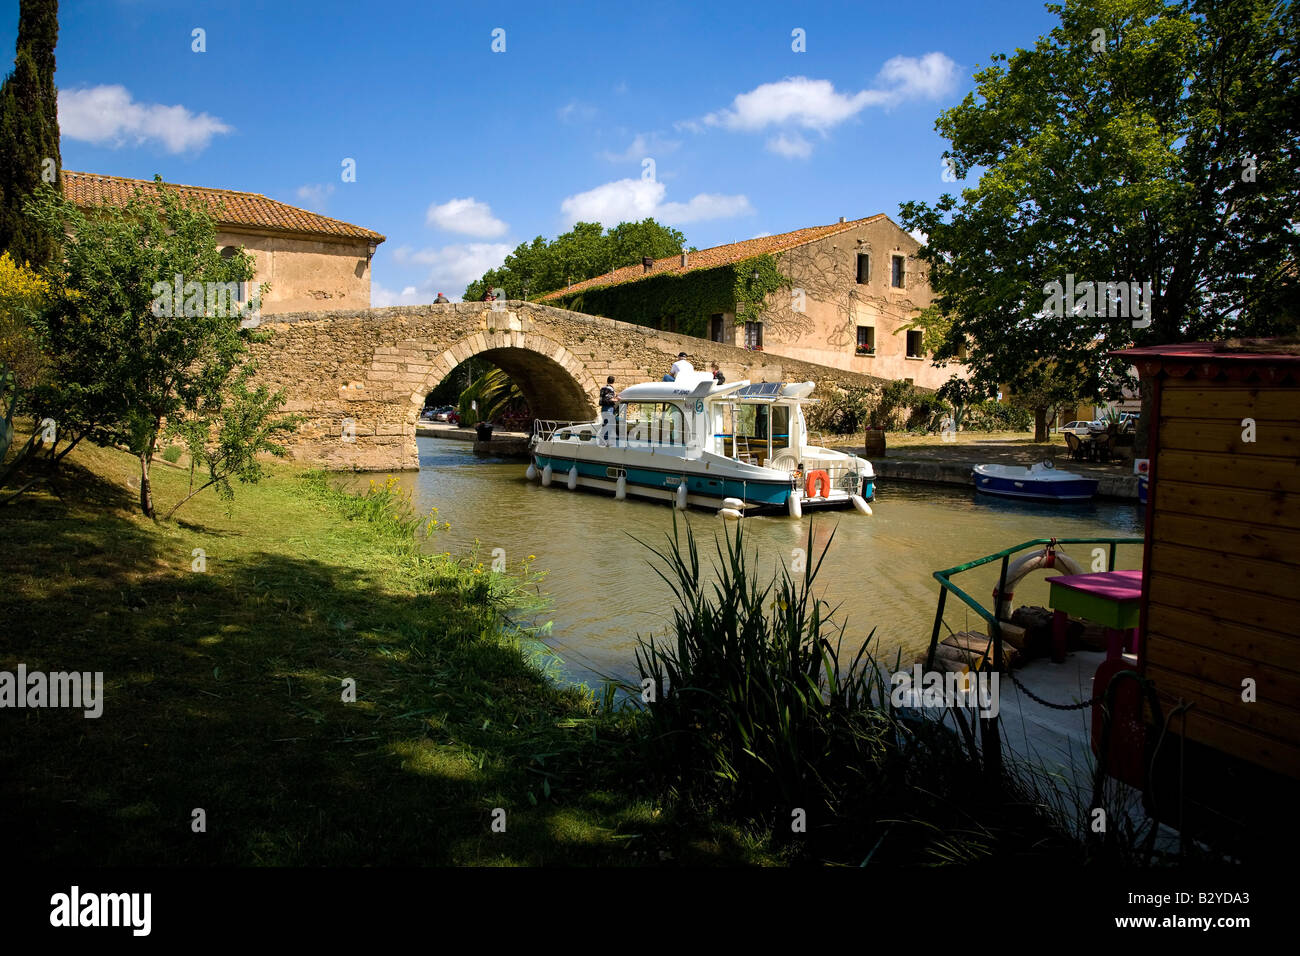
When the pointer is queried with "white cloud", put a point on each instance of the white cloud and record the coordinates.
(466, 216)
(643, 145)
(453, 267)
(382, 297)
(314, 195)
(576, 111)
(798, 102)
(631, 200)
(790, 145)
(919, 236)
(108, 116)
(928, 77)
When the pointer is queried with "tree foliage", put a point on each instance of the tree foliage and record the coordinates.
(1140, 141)
(584, 252)
(125, 356)
(29, 131)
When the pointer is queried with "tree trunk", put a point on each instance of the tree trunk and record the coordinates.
(146, 493)
(1040, 424)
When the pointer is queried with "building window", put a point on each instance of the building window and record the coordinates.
(864, 268)
(717, 327)
(914, 345)
(753, 335)
(896, 277)
(866, 340)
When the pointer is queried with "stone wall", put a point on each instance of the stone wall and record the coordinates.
(359, 378)
(306, 272)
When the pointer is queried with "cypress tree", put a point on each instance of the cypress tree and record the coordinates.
(29, 132)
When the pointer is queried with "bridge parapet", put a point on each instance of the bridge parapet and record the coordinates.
(360, 377)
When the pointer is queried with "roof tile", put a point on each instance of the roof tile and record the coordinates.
(239, 208)
(714, 257)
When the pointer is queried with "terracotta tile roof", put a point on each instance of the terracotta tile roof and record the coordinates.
(251, 210)
(717, 256)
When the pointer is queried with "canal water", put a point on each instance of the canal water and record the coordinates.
(604, 593)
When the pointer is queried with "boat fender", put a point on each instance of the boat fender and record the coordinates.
(573, 477)
(733, 503)
(731, 514)
(531, 473)
(796, 509)
(860, 503)
(620, 488)
(681, 496)
(817, 480)
(546, 477)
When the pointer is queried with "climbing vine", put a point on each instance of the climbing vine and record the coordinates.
(684, 302)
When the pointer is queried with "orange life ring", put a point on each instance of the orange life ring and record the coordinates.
(815, 479)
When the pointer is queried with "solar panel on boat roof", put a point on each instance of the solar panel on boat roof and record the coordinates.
(761, 389)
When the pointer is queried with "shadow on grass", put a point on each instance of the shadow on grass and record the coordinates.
(224, 693)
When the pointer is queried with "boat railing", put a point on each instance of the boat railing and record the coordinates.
(992, 618)
(544, 428)
(658, 433)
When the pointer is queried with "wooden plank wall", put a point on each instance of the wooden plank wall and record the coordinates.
(1224, 598)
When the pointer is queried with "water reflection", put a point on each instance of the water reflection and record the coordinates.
(878, 572)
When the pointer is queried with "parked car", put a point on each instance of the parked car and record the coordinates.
(1083, 429)
(453, 417)
(429, 415)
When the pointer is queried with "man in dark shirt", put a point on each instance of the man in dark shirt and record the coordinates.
(609, 411)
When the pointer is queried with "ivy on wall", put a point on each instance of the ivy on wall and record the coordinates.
(684, 302)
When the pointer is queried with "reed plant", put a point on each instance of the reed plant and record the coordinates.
(749, 704)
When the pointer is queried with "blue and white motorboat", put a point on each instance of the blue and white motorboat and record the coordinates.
(1041, 482)
(738, 447)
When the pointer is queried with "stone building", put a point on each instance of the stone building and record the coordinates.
(850, 290)
(312, 262)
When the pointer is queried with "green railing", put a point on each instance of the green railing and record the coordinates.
(991, 618)
(992, 745)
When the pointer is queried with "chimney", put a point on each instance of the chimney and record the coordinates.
(684, 259)
(646, 263)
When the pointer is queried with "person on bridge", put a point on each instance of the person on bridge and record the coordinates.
(441, 298)
(718, 377)
(608, 412)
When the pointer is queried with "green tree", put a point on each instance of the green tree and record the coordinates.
(229, 432)
(1140, 141)
(29, 131)
(142, 329)
(584, 252)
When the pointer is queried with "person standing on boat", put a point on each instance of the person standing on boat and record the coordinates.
(609, 411)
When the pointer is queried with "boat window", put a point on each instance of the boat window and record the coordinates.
(722, 430)
(780, 427)
(671, 425)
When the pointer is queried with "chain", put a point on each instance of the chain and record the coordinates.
(1034, 697)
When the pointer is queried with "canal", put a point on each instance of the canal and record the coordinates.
(604, 592)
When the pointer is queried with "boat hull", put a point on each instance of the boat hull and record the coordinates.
(705, 488)
(1037, 489)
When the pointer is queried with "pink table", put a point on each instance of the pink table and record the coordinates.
(1109, 598)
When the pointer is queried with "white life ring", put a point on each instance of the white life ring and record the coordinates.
(1048, 557)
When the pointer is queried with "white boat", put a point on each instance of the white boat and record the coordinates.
(739, 447)
(1041, 482)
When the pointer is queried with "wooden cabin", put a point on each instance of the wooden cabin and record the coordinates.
(1220, 610)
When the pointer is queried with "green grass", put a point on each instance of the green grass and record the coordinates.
(223, 691)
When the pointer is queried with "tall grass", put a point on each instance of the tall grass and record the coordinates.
(754, 714)
(750, 704)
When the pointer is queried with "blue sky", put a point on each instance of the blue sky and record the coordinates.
(462, 152)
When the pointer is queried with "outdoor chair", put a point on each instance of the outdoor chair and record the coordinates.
(1104, 450)
(1074, 445)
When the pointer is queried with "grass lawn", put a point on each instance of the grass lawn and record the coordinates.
(223, 691)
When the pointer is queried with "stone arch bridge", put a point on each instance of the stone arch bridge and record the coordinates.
(359, 378)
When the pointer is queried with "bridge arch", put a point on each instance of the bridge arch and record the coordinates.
(555, 383)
